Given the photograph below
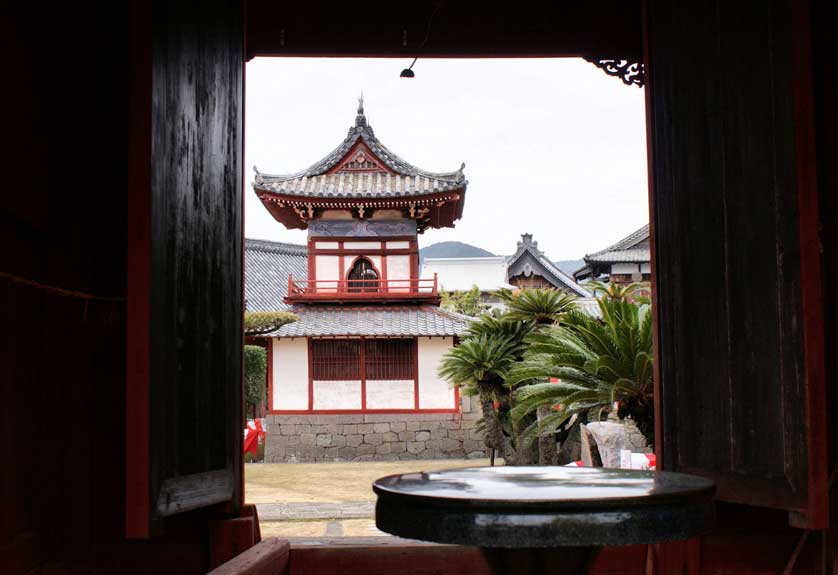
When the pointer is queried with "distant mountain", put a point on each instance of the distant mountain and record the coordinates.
(569, 266)
(452, 250)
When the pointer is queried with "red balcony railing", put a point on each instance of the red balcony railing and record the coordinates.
(424, 290)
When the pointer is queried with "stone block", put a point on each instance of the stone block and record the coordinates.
(459, 434)
(332, 453)
(388, 457)
(302, 428)
(398, 426)
(407, 436)
(308, 439)
(350, 429)
(398, 447)
(422, 425)
(416, 447)
(476, 455)
(390, 436)
(338, 440)
(406, 456)
(365, 457)
(373, 438)
(288, 429)
(383, 449)
(423, 435)
(324, 440)
(334, 428)
(365, 428)
(292, 440)
(365, 449)
(381, 427)
(610, 439)
(354, 440)
(347, 453)
(322, 428)
(449, 445)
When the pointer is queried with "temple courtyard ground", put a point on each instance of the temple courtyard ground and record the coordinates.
(326, 499)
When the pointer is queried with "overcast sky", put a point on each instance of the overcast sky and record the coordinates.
(552, 147)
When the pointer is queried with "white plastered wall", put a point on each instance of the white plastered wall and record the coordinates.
(326, 268)
(390, 394)
(290, 374)
(398, 268)
(434, 392)
(337, 394)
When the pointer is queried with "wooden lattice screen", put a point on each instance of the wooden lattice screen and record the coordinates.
(336, 359)
(392, 359)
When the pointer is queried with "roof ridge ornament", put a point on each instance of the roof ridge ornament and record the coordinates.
(360, 117)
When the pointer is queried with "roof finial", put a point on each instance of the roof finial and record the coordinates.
(361, 119)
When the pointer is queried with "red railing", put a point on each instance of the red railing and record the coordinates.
(362, 290)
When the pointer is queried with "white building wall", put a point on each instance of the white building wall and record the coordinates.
(326, 268)
(434, 392)
(290, 373)
(625, 268)
(337, 394)
(398, 268)
(390, 394)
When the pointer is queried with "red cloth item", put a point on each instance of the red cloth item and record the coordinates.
(252, 434)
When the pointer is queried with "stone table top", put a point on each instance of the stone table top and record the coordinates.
(524, 507)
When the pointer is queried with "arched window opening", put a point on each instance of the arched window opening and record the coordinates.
(363, 277)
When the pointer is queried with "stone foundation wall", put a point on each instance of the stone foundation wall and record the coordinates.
(375, 437)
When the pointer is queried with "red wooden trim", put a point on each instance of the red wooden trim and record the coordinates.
(341, 262)
(268, 557)
(358, 411)
(457, 399)
(363, 360)
(650, 134)
(138, 280)
(811, 278)
(310, 377)
(312, 262)
(361, 251)
(351, 239)
(416, 374)
(384, 267)
(270, 350)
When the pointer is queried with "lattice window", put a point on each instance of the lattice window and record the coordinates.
(390, 359)
(336, 359)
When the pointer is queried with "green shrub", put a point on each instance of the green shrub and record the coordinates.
(255, 369)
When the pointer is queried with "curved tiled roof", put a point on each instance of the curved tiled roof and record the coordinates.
(527, 247)
(266, 269)
(632, 248)
(407, 179)
(373, 321)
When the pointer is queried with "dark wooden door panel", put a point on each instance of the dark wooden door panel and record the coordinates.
(193, 254)
(724, 141)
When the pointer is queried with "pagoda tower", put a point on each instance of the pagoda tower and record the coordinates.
(370, 334)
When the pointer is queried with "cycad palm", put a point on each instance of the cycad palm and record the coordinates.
(543, 306)
(479, 364)
(617, 292)
(596, 362)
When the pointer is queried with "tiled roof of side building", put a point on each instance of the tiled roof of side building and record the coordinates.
(373, 321)
(266, 269)
(527, 247)
(632, 248)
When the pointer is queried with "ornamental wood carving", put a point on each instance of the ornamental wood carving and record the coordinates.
(630, 72)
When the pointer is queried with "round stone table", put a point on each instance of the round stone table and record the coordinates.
(543, 519)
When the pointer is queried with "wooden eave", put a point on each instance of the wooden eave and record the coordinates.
(436, 210)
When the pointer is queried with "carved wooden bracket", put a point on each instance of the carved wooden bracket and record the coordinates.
(631, 73)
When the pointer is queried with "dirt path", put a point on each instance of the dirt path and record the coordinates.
(325, 499)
